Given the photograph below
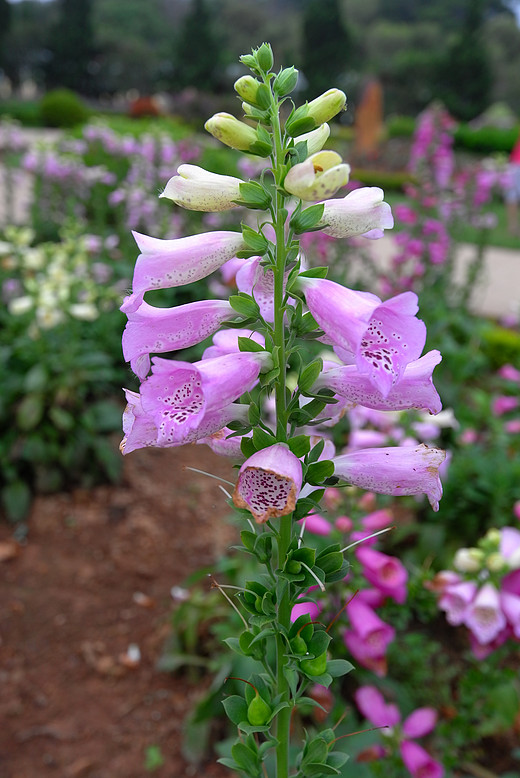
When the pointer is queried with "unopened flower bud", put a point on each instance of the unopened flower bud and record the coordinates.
(285, 81)
(246, 87)
(327, 105)
(495, 562)
(492, 537)
(199, 190)
(264, 57)
(315, 140)
(229, 130)
(468, 560)
(318, 178)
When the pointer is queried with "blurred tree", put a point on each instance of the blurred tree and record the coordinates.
(503, 43)
(25, 47)
(404, 58)
(327, 45)
(464, 77)
(5, 23)
(197, 52)
(134, 45)
(72, 49)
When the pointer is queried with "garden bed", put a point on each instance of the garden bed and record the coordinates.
(93, 578)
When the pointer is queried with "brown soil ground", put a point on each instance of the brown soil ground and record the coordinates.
(94, 577)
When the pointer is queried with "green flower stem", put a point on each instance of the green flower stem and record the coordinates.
(279, 272)
(283, 721)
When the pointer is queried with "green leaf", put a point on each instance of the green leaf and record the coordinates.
(317, 472)
(230, 763)
(36, 379)
(254, 239)
(315, 272)
(338, 759)
(308, 219)
(339, 667)
(248, 344)
(30, 411)
(244, 305)
(16, 499)
(64, 420)
(254, 196)
(245, 758)
(262, 438)
(300, 445)
(309, 375)
(248, 538)
(236, 708)
(247, 447)
(317, 769)
(316, 452)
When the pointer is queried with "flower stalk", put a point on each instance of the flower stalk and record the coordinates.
(284, 465)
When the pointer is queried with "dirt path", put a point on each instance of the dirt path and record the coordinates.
(94, 578)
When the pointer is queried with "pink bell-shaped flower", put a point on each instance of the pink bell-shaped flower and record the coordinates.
(269, 483)
(398, 470)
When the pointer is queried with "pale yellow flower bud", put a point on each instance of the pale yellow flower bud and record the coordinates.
(247, 87)
(229, 130)
(327, 105)
(316, 139)
(468, 560)
(199, 190)
(318, 178)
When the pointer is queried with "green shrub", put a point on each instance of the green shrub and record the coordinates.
(27, 112)
(63, 108)
(501, 346)
(383, 178)
(400, 127)
(486, 140)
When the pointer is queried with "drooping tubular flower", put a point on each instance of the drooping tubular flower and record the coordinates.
(319, 176)
(382, 337)
(163, 264)
(178, 395)
(398, 470)
(362, 212)
(152, 330)
(140, 428)
(269, 483)
(415, 388)
(199, 190)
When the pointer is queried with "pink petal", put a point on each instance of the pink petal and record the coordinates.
(420, 722)
(484, 616)
(396, 471)
(418, 761)
(415, 388)
(372, 705)
(167, 263)
(152, 330)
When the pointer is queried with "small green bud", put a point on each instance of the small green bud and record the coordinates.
(316, 666)
(285, 81)
(258, 711)
(298, 645)
(293, 567)
(264, 57)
